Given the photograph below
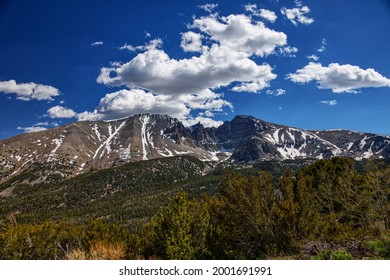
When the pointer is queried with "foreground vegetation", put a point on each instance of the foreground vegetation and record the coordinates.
(330, 209)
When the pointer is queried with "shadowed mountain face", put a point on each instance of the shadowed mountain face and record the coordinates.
(79, 147)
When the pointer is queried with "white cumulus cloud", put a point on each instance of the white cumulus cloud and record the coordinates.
(252, 8)
(277, 92)
(313, 57)
(128, 102)
(263, 13)
(29, 91)
(288, 51)
(268, 15)
(205, 100)
(329, 102)
(58, 112)
(339, 78)
(124, 103)
(159, 83)
(224, 62)
(297, 15)
(324, 43)
(207, 122)
(240, 34)
(89, 116)
(191, 42)
(151, 45)
(97, 43)
(208, 7)
(32, 128)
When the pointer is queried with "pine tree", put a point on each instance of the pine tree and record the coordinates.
(287, 211)
(246, 221)
(180, 230)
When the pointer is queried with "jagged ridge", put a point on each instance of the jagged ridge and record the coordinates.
(79, 147)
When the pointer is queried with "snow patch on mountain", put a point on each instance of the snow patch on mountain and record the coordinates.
(97, 133)
(168, 153)
(107, 143)
(13, 173)
(363, 142)
(57, 142)
(102, 144)
(125, 153)
(144, 121)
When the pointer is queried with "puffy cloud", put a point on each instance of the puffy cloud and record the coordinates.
(60, 112)
(127, 47)
(268, 15)
(134, 101)
(252, 8)
(224, 62)
(208, 7)
(191, 42)
(40, 126)
(156, 71)
(288, 51)
(324, 43)
(297, 15)
(277, 92)
(29, 91)
(32, 128)
(339, 78)
(313, 57)
(205, 100)
(207, 114)
(97, 43)
(89, 116)
(329, 102)
(158, 83)
(128, 102)
(255, 86)
(263, 13)
(240, 34)
(207, 122)
(151, 45)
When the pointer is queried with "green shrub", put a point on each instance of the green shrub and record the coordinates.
(379, 248)
(333, 255)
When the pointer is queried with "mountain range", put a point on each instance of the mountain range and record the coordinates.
(83, 146)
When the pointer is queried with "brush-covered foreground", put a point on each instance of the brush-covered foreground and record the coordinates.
(166, 209)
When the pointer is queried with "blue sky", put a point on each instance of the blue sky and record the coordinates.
(309, 64)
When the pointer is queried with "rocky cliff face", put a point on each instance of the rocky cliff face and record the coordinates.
(253, 139)
(79, 147)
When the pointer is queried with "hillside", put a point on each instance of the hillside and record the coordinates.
(80, 147)
(131, 192)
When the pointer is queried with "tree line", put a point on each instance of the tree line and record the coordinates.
(330, 209)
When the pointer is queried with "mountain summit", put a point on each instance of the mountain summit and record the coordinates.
(82, 146)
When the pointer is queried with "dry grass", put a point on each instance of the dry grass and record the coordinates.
(100, 251)
(106, 251)
(76, 254)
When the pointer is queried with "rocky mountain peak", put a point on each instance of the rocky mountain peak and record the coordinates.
(79, 147)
